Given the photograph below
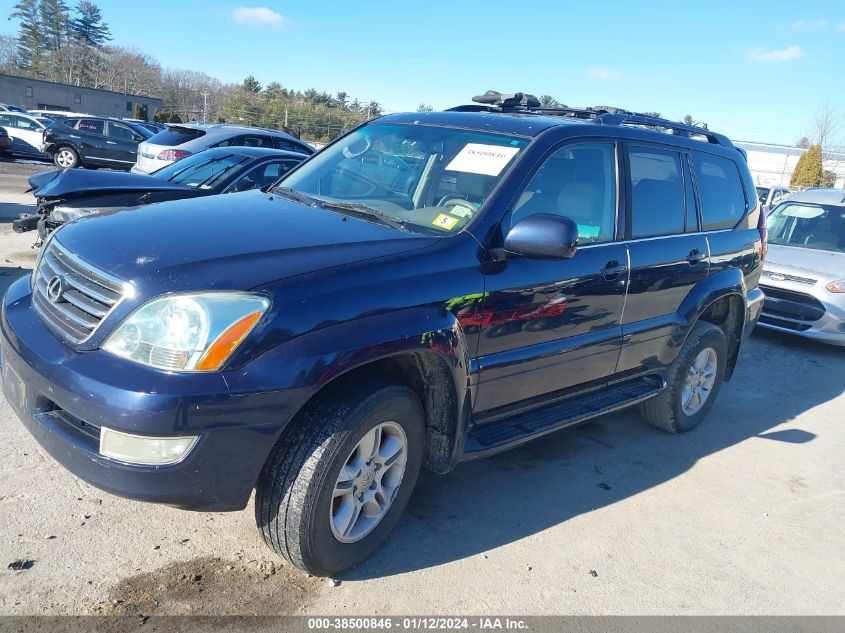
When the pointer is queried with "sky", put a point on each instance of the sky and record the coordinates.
(752, 70)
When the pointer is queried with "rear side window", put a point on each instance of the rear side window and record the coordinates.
(290, 146)
(92, 126)
(720, 194)
(657, 192)
(248, 140)
(116, 130)
(175, 135)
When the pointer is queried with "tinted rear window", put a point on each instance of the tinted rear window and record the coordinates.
(720, 195)
(94, 126)
(176, 136)
(657, 192)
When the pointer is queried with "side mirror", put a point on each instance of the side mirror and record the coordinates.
(542, 236)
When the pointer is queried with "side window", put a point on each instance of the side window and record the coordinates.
(6, 120)
(657, 192)
(579, 182)
(290, 146)
(116, 130)
(719, 191)
(252, 140)
(25, 124)
(92, 126)
(71, 123)
(263, 175)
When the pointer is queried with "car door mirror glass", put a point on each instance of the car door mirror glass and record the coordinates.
(542, 236)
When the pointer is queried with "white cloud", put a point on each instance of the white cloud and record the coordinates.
(602, 74)
(764, 56)
(807, 25)
(258, 16)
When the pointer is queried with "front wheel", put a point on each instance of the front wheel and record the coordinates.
(66, 158)
(339, 479)
(692, 382)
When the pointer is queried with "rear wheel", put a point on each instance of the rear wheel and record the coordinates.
(66, 158)
(339, 479)
(692, 383)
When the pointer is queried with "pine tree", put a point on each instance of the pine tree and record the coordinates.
(808, 171)
(88, 27)
(251, 84)
(30, 43)
(55, 23)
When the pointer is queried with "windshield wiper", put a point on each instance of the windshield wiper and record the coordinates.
(363, 209)
(289, 193)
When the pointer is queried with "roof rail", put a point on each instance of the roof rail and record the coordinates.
(623, 117)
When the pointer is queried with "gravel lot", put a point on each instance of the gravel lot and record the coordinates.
(742, 516)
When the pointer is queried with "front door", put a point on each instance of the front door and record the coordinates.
(552, 327)
(121, 144)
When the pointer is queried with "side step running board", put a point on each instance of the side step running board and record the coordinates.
(524, 427)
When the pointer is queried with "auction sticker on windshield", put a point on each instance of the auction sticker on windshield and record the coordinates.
(477, 158)
(445, 222)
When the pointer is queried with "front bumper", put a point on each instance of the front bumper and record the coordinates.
(780, 316)
(63, 397)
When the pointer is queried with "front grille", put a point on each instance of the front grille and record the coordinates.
(82, 295)
(792, 305)
(784, 323)
(785, 277)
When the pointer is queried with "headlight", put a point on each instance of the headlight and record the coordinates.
(68, 214)
(836, 286)
(187, 332)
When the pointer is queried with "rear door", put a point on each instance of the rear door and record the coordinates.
(552, 327)
(91, 141)
(122, 143)
(669, 255)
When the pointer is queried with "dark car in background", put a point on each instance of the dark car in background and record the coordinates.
(318, 341)
(67, 194)
(94, 142)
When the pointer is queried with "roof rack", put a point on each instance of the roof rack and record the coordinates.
(493, 101)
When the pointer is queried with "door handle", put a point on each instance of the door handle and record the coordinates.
(112, 142)
(613, 269)
(695, 257)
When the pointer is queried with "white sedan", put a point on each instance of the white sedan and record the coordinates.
(27, 133)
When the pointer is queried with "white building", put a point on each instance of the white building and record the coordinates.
(773, 164)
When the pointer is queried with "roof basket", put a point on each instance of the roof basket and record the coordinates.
(511, 101)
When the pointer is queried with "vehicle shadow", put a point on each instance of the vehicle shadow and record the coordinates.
(486, 504)
(9, 274)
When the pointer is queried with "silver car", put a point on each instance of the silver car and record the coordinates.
(186, 139)
(804, 273)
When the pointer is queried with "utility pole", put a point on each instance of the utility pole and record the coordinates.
(205, 106)
(286, 118)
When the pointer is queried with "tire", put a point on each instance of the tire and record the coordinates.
(667, 411)
(66, 158)
(296, 508)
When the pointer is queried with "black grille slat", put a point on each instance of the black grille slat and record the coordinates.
(88, 297)
(790, 304)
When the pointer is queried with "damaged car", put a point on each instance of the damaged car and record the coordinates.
(67, 194)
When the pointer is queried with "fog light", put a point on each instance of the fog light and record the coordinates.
(139, 449)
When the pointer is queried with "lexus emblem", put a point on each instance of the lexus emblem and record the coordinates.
(776, 276)
(55, 288)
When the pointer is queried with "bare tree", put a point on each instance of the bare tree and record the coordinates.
(825, 125)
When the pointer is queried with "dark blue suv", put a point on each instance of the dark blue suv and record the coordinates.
(429, 288)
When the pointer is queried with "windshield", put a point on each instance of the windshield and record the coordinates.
(820, 227)
(762, 194)
(201, 171)
(430, 179)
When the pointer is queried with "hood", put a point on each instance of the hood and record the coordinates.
(69, 183)
(805, 262)
(235, 241)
